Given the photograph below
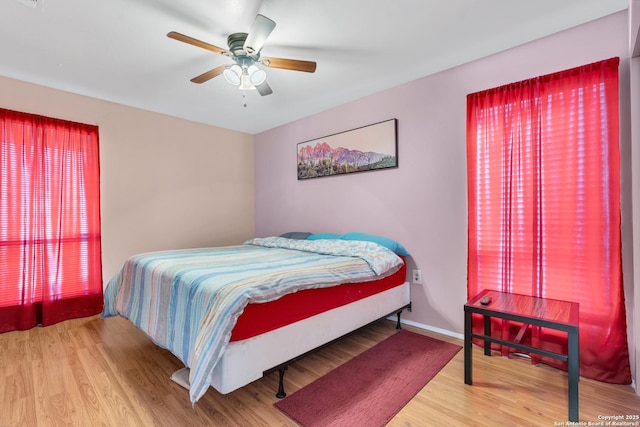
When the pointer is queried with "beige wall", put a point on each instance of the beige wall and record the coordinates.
(165, 182)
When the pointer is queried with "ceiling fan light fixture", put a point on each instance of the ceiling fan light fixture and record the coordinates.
(233, 74)
(256, 75)
(245, 83)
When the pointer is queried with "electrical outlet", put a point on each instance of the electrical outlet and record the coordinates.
(417, 277)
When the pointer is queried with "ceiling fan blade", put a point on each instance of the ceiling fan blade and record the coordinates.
(264, 89)
(195, 42)
(209, 74)
(290, 64)
(260, 30)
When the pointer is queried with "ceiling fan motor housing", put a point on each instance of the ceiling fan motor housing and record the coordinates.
(236, 47)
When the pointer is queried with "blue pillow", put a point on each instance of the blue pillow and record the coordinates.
(323, 236)
(384, 241)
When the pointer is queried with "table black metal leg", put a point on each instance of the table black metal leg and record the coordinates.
(467, 348)
(573, 360)
(487, 333)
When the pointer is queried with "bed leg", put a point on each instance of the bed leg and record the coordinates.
(398, 324)
(281, 394)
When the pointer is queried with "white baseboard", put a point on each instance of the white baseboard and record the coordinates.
(428, 328)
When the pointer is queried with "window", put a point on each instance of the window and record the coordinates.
(49, 221)
(544, 206)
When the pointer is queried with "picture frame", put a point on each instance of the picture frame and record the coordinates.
(368, 148)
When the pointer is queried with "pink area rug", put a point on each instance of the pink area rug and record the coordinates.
(374, 386)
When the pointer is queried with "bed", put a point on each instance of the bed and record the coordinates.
(228, 313)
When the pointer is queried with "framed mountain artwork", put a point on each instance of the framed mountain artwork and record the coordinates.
(368, 148)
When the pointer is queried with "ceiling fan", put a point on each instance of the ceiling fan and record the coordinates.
(244, 49)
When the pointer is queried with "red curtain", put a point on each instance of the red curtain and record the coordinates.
(50, 267)
(544, 207)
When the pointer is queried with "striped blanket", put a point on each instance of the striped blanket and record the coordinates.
(189, 300)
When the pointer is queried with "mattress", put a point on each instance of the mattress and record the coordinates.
(259, 318)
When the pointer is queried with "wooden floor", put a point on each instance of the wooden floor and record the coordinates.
(95, 372)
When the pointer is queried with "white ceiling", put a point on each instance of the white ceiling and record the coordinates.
(117, 50)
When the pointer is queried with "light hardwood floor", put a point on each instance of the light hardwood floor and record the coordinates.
(104, 372)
